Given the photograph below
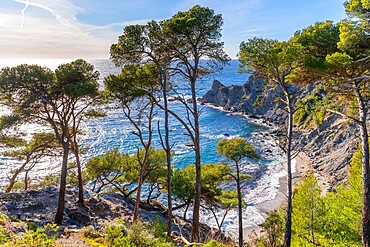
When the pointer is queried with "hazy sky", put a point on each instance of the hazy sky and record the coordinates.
(86, 28)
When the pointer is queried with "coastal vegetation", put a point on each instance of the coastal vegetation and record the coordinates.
(60, 100)
(235, 150)
(276, 62)
(176, 47)
(330, 58)
(331, 219)
(335, 55)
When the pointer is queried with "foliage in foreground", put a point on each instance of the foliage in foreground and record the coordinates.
(34, 236)
(120, 234)
(124, 235)
(333, 219)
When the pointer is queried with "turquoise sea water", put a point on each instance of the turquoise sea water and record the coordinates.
(114, 131)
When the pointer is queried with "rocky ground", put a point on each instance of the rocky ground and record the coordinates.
(39, 207)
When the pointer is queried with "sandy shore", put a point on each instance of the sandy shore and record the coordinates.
(303, 165)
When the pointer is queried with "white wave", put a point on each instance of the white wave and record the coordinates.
(182, 151)
(219, 136)
(265, 190)
(220, 108)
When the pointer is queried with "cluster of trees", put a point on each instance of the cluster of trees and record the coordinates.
(149, 55)
(60, 100)
(175, 47)
(333, 55)
(333, 219)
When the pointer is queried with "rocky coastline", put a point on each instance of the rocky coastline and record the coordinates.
(328, 147)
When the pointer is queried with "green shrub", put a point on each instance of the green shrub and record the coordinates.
(42, 237)
(4, 236)
(214, 243)
(31, 226)
(118, 234)
(49, 180)
(90, 232)
(18, 186)
(330, 220)
(158, 227)
(3, 219)
(258, 100)
(14, 219)
(141, 236)
(312, 108)
(273, 229)
(115, 235)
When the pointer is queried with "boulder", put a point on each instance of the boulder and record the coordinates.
(80, 218)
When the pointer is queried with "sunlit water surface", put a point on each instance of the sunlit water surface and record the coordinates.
(114, 131)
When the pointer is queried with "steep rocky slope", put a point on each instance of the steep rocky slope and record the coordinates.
(329, 146)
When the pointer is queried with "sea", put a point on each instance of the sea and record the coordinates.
(115, 131)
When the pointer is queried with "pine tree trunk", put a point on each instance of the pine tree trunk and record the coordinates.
(62, 188)
(240, 207)
(138, 194)
(79, 174)
(365, 187)
(26, 183)
(14, 177)
(186, 210)
(288, 218)
(196, 209)
(365, 168)
(168, 156)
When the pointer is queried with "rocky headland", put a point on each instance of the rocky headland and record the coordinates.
(328, 146)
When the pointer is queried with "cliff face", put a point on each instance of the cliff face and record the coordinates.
(329, 146)
(251, 99)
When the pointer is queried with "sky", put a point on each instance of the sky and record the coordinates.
(71, 29)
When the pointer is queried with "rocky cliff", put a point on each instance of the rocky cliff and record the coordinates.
(252, 98)
(329, 146)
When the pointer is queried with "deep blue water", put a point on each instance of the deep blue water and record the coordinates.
(114, 131)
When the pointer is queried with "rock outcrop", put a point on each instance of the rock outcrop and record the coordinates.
(39, 206)
(251, 99)
(330, 146)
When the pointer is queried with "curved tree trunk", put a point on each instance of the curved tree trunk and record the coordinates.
(186, 210)
(240, 207)
(62, 188)
(198, 168)
(288, 218)
(79, 173)
(26, 183)
(365, 168)
(168, 154)
(15, 175)
(138, 194)
(143, 162)
(141, 178)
